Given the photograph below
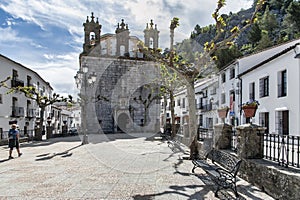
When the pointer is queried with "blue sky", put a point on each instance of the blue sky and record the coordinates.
(47, 35)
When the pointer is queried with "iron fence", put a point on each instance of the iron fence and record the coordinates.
(284, 149)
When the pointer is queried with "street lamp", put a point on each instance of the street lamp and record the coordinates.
(82, 81)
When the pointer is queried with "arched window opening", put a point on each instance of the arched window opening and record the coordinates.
(92, 38)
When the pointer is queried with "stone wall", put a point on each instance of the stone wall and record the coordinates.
(110, 107)
(280, 183)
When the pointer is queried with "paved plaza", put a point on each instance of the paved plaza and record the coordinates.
(118, 166)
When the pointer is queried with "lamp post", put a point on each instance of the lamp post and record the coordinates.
(82, 82)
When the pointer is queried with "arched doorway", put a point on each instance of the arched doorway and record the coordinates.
(123, 121)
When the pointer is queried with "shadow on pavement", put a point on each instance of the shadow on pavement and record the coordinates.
(4, 160)
(178, 191)
(100, 138)
(51, 141)
(63, 154)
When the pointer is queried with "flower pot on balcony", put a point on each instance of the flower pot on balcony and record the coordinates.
(249, 110)
(222, 112)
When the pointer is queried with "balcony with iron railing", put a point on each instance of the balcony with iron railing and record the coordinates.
(30, 113)
(207, 107)
(199, 106)
(17, 111)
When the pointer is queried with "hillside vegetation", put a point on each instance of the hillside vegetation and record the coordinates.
(278, 22)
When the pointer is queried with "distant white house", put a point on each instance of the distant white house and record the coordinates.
(206, 94)
(15, 107)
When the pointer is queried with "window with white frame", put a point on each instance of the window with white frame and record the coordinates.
(223, 99)
(232, 73)
(200, 120)
(264, 120)
(178, 102)
(183, 103)
(282, 83)
(264, 87)
(223, 77)
(282, 122)
(252, 91)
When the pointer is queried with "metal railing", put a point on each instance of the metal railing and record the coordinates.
(28, 133)
(284, 149)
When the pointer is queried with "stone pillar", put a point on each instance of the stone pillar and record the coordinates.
(222, 136)
(49, 132)
(250, 141)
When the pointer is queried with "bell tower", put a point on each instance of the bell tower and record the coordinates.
(122, 36)
(92, 32)
(151, 35)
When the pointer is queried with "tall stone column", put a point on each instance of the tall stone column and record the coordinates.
(250, 141)
(222, 136)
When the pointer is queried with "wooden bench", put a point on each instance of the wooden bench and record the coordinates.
(223, 169)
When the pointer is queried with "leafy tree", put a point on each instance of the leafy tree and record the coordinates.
(3, 82)
(265, 41)
(294, 14)
(42, 101)
(254, 34)
(225, 56)
(170, 82)
(269, 22)
(204, 64)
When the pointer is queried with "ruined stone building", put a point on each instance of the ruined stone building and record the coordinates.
(124, 96)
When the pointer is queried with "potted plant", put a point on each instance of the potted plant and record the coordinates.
(222, 112)
(250, 108)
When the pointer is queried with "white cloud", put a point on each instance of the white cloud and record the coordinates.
(59, 68)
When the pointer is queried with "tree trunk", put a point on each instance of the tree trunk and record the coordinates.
(172, 105)
(192, 119)
(38, 134)
(165, 114)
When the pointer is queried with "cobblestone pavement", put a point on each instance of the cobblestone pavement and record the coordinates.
(116, 166)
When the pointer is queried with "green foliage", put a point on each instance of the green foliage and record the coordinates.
(265, 41)
(269, 22)
(254, 35)
(3, 82)
(225, 56)
(41, 100)
(294, 14)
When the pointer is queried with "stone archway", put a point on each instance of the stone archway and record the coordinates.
(122, 122)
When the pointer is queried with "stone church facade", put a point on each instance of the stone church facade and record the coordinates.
(124, 97)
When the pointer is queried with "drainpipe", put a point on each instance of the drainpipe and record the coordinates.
(240, 93)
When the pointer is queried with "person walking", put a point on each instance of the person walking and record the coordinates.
(13, 140)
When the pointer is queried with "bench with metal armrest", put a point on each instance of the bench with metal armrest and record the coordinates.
(223, 169)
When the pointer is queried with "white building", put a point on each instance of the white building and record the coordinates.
(206, 94)
(274, 82)
(15, 107)
(272, 77)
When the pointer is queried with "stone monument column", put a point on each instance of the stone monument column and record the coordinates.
(250, 141)
(222, 136)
